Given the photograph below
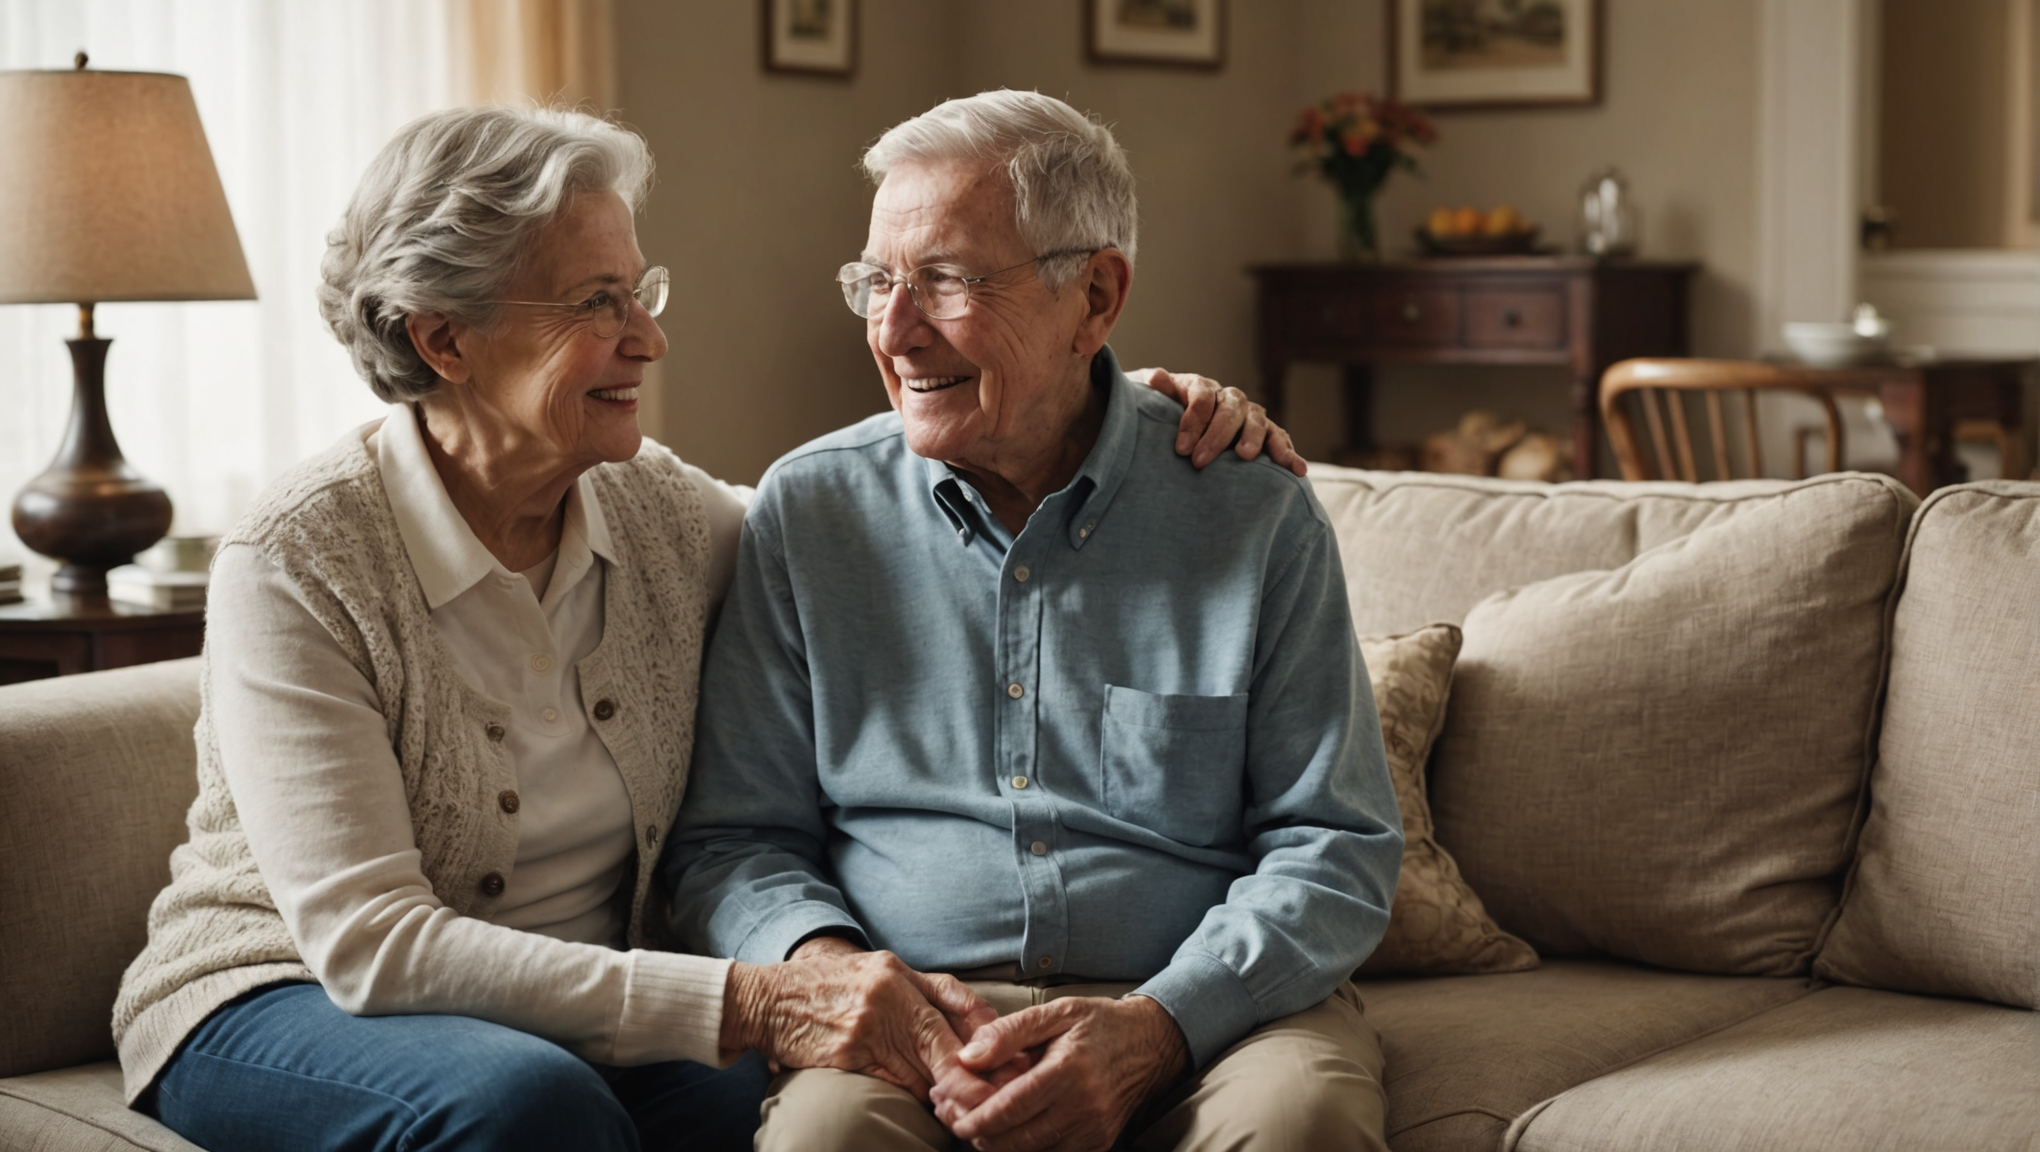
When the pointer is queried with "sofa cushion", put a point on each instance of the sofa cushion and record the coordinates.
(1842, 1070)
(96, 772)
(1419, 548)
(1437, 925)
(1945, 896)
(1468, 1054)
(78, 1110)
(1664, 762)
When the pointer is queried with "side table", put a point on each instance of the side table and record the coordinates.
(1576, 312)
(67, 634)
(1924, 400)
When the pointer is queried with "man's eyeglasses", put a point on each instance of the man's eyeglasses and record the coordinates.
(939, 292)
(609, 311)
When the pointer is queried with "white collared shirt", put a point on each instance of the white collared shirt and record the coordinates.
(574, 820)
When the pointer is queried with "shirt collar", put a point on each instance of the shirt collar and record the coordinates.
(1090, 492)
(445, 553)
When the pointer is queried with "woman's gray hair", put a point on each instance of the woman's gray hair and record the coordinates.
(444, 215)
(1072, 186)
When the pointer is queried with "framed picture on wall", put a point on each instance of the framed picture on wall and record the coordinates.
(1183, 33)
(817, 37)
(1494, 53)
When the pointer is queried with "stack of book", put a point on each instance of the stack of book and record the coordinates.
(170, 577)
(10, 583)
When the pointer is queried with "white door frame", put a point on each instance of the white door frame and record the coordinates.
(1816, 153)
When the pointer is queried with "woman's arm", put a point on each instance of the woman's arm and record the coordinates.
(1213, 415)
(306, 751)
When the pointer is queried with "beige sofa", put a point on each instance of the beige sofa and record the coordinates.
(1756, 768)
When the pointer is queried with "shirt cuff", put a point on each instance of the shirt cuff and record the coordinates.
(1208, 1000)
(672, 1010)
(780, 933)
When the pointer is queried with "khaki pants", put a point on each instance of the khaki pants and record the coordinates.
(1305, 1082)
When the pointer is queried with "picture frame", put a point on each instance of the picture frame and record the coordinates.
(1487, 54)
(810, 37)
(1169, 33)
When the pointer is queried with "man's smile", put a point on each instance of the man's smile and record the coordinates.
(931, 383)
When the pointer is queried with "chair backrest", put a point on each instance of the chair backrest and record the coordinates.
(1660, 388)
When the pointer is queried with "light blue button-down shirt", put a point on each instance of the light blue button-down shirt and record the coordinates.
(1133, 742)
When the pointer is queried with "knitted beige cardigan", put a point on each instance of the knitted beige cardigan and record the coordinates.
(215, 933)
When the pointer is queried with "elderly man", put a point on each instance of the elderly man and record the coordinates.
(1009, 689)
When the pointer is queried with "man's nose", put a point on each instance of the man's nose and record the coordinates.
(901, 326)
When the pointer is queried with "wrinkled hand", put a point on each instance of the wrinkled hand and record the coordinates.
(1214, 414)
(833, 1005)
(1093, 1061)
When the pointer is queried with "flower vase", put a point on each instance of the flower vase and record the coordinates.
(1357, 241)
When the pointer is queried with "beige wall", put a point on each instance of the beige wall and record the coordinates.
(1944, 121)
(757, 203)
(758, 192)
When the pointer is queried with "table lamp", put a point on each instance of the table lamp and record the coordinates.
(108, 192)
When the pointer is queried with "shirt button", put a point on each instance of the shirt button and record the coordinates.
(1086, 529)
(495, 733)
(550, 715)
(492, 884)
(1019, 781)
(509, 801)
(1043, 962)
(1015, 690)
(541, 662)
(604, 709)
(1038, 848)
(1021, 573)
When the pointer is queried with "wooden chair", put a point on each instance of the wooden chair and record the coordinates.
(1660, 389)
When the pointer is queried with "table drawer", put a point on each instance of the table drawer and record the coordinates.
(1336, 316)
(1515, 318)
(1416, 317)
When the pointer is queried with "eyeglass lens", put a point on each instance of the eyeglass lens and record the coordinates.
(650, 292)
(939, 295)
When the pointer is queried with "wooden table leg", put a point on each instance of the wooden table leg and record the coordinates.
(1356, 386)
(1926, 457)
(2008, 386)
(1586, 422)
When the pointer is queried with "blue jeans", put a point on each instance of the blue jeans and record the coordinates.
(281, 1067)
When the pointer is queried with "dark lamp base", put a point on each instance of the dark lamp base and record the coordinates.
(89, 509)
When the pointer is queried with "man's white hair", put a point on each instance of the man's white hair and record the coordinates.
(1072, 187)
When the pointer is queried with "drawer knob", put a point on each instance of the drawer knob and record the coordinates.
(1512, 319)
(1410, 312)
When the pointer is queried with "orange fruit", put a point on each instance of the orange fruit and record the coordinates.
(1504, 220)
(1441, 223)
(1467, 222)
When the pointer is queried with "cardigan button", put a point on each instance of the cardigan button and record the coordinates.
(604, 709)
(496, 733)
(508, 799)
(652, 835)
(492, 884)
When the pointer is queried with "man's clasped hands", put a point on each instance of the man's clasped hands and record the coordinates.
(1068, 1073)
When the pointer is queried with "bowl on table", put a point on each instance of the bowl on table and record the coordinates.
(1477, 244)
(1835, 345)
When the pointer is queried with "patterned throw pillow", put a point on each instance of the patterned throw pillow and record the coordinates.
(1438, 926)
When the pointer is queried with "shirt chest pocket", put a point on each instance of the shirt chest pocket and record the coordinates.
(1175, 764)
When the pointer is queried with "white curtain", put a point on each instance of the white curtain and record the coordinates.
(213, 400)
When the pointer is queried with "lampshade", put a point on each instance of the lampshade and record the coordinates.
(108, 192)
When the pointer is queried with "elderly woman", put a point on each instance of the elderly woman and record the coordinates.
(447, 710)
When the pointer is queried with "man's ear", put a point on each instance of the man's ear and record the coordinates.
(1106, 279)
(438, 338)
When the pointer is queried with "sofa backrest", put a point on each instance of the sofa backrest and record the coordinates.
(1664, 712)
(96, 772)
(1944, 897)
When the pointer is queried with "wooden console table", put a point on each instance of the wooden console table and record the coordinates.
(1571, 311)
(42, 638)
